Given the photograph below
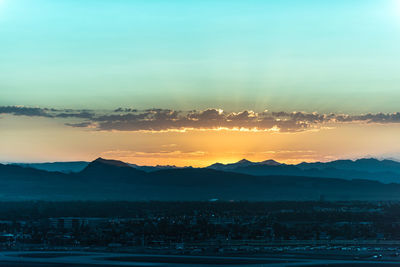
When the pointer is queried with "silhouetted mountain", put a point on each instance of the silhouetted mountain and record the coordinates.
(24, 183)
(107, 162)
(385, 171)
(244, 163)
(110, 171)
(270, 162)
(77, 166)
(65, 167)
(153, 168)
(366, 165)
(114, 180)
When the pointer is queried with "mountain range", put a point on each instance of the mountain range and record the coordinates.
(104, 179)
(385, 171)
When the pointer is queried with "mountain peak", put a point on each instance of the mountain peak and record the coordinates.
(367, 160)
(244, 161)
(110, 162)
(105, 168)
(270, 162)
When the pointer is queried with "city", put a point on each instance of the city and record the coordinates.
(335, 230)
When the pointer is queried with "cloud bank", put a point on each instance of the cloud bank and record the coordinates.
(128, 119)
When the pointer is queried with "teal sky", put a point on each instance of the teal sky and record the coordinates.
(326, 56)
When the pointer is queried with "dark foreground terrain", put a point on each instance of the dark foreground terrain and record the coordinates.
(61, 259)
(199, 233)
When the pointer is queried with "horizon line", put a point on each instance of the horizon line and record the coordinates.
(217, 162)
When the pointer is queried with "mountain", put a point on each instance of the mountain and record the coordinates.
(385, 171)
(244, 163)
(65, 167)
(24, 183)
(270, 162)
(115, 180)
(153, 168)
(77, 166)
(106, 163)
(367, 165)
(109, 171)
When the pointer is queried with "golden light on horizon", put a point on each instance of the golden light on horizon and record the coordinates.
(46, 140)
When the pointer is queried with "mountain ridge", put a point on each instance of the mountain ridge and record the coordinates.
(110, 180)
(386, 171)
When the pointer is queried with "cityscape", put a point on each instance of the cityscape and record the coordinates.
(326, 230)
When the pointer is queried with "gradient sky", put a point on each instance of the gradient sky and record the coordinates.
(339, 57)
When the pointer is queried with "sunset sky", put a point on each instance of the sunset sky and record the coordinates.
(197, 82)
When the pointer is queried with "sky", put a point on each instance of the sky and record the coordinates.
(195, 82)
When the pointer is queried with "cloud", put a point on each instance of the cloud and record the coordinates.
(81, 114)
(156, 120)
(125, 110)
(25, 111)
(46, 112)
(85, 124)
(377, 118)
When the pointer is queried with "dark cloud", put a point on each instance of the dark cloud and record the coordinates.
(25, 111)
(206, 115)
(242, 116)
(380, 117)
(302, 116)
(84, 124)
(125, 110)
(46, 112)
(82, 115)
(166, 119)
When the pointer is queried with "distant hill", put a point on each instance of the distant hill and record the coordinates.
(386, 171)
(153, 168)
(244, 163)
(77, 166)
(109, 171)
(366, 165)
(65, 167)
(115, 180)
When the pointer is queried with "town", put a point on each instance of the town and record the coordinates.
(353, 229)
